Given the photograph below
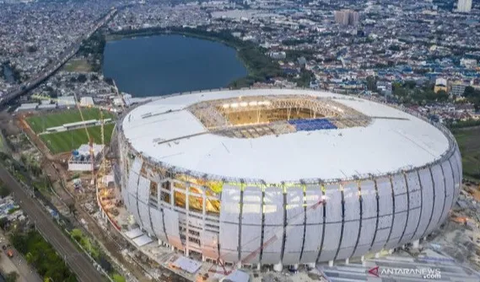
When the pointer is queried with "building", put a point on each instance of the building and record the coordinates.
(440, 85)
(81, 160)
(278, 55)
(468, 63)
(464, 6)
(458, 88)
(347, 17)
(87, 102)
(284, 176)
(385, 88)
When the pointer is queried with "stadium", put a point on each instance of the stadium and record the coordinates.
(284, 177)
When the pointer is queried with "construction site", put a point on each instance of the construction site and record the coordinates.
(180, 223)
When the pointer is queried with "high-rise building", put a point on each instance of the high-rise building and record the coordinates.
(458, 88)
(464, 6)
(347, 17)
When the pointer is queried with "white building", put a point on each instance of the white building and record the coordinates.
(468, 63)
(80, 160)
(66, 101)
(464, 6)
(86, 102)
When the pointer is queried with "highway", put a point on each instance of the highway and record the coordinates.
(53, 67)
(78, 261)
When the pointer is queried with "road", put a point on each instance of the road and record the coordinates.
(78, 261)
(17, 263)
(53, 67)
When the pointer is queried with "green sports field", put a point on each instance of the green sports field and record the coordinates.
(70, 140)
(40, 123)
(469, 144)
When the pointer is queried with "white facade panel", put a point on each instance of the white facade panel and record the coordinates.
(145, 216)
(157, 224)
(349, 240)
(313, 241)
(273, 206)
(458, 172)
(352, 201)
(273, 225)
(295, 225)
(385, 201)
(137, 165)
(427, 195)
(229, 241)
(369, 217)
(413, 218)
(333, 223)
(401, 208)
(439, 186)
(229, 223)
(230, 207)
(271, 254)
(143, 189)
(251, 242)
(134, 208)
(314, 207)
(385, 213)
(352, 216)
(209, 244)
(251, 229)
(415, 205)
(369, 199)
(397, 229)
(314, 221)
(380, 239)
(449, 187)
(330, 242)
(333, 203)
(366, 236)
(132, 186)
(172, 229)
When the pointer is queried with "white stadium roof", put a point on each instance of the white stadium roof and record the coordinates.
(383, 146)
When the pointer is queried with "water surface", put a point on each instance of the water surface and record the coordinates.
(163, 64)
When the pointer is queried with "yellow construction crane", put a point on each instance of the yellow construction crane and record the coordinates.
(90, 140)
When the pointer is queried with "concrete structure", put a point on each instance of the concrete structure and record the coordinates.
(87, 102)
(347, 17)
(66, 101)
(284, 176)
(80, 160)
(464, 6)
(458, 88)
(440, 85)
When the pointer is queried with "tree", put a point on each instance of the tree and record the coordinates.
(11, 277)
(372, 83)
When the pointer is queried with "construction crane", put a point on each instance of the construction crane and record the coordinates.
(277, 234)
(90, 140)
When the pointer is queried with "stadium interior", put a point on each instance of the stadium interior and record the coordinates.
(252, 117)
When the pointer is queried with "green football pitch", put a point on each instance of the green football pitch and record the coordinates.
(66, 141)
(40, 123)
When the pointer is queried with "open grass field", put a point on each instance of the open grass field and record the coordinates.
(468, 140)
(77, 66)
(39, 123)
(70, 140)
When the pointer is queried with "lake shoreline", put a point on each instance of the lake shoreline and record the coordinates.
(260, 68)
(161, 64)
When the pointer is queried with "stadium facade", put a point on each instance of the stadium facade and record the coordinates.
(284, 177)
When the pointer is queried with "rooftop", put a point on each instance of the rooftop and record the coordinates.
(167, 130)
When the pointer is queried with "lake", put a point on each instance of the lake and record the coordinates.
(164, 64)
